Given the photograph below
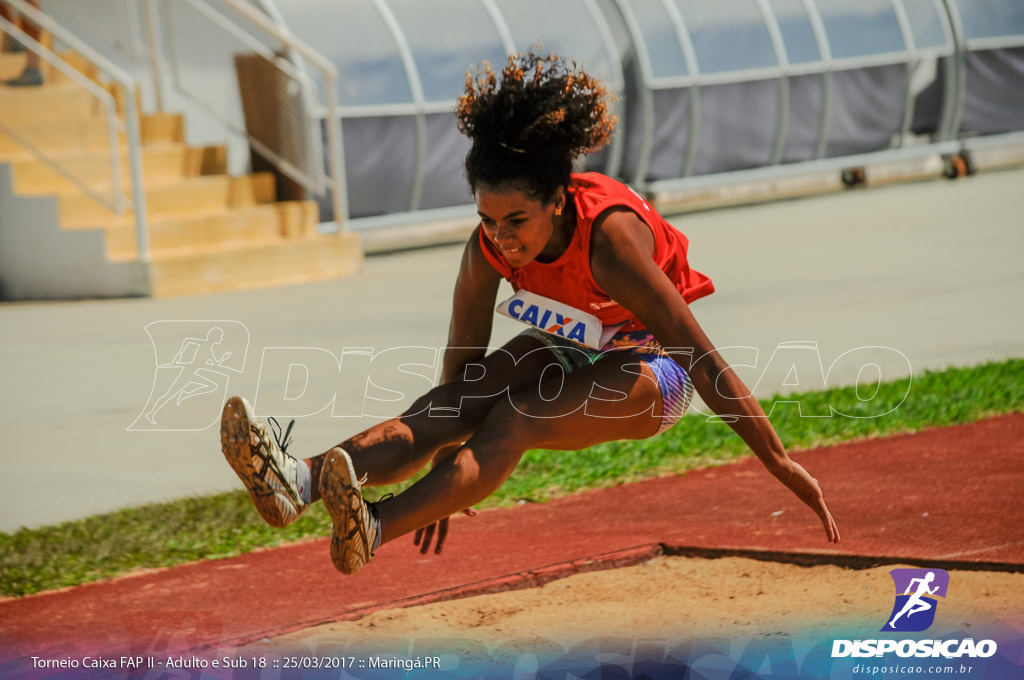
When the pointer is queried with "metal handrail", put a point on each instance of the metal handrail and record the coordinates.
(130, 88)
(250, 13)
(117, 204)
(318, 182)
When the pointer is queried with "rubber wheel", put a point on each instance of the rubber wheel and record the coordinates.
(956, 166)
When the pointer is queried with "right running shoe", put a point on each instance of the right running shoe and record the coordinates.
(355, 522)
(269, 473)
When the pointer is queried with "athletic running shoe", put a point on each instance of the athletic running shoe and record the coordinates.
(263, 465)
(355, 522)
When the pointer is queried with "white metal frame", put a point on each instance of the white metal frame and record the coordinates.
(944, 142)
(826, 66)
(420, 107)
(976, 45)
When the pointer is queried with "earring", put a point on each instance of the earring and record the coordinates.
(558, 211)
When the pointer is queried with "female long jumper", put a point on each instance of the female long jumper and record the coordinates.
(578, 249)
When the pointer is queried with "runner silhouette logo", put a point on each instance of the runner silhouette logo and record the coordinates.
(194, 362)
(916, 593)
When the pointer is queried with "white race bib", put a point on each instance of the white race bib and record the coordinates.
(557, 318)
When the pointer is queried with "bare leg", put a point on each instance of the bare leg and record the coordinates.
(386, 453)
(397, 449)
(511, 429)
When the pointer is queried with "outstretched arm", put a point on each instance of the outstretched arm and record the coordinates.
(621, 260)
(472, 311)
(468, 336)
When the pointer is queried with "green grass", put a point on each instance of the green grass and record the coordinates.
(224, 525)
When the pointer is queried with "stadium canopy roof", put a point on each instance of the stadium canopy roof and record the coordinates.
(409, 59)
(803, 81)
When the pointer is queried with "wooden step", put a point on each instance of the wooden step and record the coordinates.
(196, 235)
(11, 64)
(66, 102)
(54, 76)
(162, 128)
(90, 134)
(159, 164)
(246, 266)
(191, 196)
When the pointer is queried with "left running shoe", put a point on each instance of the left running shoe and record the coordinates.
(269, 473)
(355, 523)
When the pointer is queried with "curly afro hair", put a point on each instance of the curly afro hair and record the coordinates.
(528, 128)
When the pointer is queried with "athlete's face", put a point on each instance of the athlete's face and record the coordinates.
(521, 227)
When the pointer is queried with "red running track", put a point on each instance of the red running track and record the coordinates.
(944, 497)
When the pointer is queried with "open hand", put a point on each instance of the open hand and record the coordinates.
(807, 489)
(831, 528)
(425, 534)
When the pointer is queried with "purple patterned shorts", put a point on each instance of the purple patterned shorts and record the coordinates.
(673, 381)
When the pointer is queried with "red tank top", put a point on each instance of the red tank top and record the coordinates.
(594, 193)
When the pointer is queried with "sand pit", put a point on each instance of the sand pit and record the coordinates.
(679, 598)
